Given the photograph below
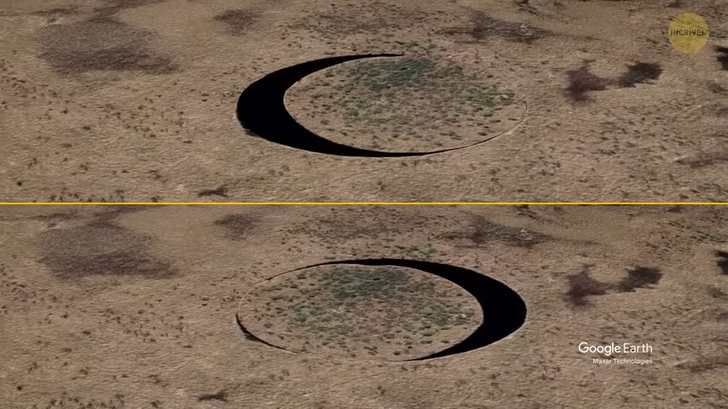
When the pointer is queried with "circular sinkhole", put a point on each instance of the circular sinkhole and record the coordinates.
(392, 106)
(380, 309)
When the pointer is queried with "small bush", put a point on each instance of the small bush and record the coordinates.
(582, 81)
(238, 21)
(639, 73)
(722, 261)
(639, 277)
(237, 225)
(722, 56)
(703, 364)
(582, 286)
(484, 26)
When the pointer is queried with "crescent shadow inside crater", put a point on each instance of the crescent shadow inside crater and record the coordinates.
(262, 111)
(504, 311)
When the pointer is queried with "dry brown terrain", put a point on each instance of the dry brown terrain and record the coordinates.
(340, 311)
(134, 100)
(132, 307)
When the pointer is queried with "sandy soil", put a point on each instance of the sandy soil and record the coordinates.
(127, 100)
(106, 307)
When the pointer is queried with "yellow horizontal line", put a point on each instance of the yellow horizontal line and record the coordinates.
(363, 203)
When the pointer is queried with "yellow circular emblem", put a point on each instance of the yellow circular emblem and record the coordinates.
(688, 33)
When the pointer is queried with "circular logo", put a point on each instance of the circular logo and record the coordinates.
(688, 33)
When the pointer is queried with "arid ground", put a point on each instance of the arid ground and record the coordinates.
(135, 307)
(134, 100)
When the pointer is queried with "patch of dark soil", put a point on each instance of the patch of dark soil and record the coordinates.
(485, 26)
(238, 21)
(114, 6)
(100, 44)
(582, 81)
(526, 210)
(112, 213)
(369, 222)
(704, 159)
(640, 277)
(639, 73)
(722, 56)
(581, 286)
(362, 18)
(99, 249)
(481, 26)
(717, 293)
(705, 363)
(675, 209)
(483, 231)
(220, 191)
(219, 396)
(722, 261)
(57, 12)
(716, 88)
(238, 225)
(57, 216)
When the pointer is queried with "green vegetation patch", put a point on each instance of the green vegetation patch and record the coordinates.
(411, 103)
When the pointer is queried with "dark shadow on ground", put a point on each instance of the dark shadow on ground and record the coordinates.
(261, 111)
(722, 57)
(639, 73)
(250, 336)
(722, 261)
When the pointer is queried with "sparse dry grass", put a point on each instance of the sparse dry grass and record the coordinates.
(238, 21)
(69, 115)
(483, 231)
(112, 7)
(64, 330)
(705, 363)
(481, 27)
(418, 102)
(343, 225)
(345, 20)
(351, 311)
(717, 293)
(58, 11)
(99, 248)
(704, 159)
(100, 44)
(237, 225)
(484, 26)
